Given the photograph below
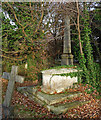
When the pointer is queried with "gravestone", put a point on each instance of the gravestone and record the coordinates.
(52, 82)
(10, 88)
(53, 89)
(67, 57)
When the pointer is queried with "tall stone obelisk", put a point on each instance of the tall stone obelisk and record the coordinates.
(67, 57)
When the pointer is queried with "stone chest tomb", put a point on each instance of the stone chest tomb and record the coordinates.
(53, 82)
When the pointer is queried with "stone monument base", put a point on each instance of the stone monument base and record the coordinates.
(51, 101)
(66, 59)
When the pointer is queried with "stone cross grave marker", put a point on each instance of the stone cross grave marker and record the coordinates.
(12, 78)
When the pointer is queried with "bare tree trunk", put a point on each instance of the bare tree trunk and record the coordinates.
(78, 27)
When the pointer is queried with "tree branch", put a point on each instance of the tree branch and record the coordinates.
(17, 19)
(15, 59)
(31, 11)
(40, 20)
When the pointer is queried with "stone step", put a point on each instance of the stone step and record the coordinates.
(47, 98)
(51, 101)
(63, 108)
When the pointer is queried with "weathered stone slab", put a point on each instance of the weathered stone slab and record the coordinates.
(51, 101)
(63, 108)
(55, 83)
(47, 98)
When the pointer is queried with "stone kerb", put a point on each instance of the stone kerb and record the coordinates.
(54, 83)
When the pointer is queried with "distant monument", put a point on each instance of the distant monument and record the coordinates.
(67, 57)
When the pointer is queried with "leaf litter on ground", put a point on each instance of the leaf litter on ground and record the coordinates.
(31, 109)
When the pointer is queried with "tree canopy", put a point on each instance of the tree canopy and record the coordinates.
(26, 27)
